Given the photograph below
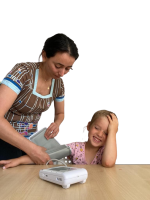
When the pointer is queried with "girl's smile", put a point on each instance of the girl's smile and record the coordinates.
(97, 140)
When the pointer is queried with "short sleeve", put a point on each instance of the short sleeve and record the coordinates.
(16, 78)
(101, 150)
(61, 94)
(72, 147)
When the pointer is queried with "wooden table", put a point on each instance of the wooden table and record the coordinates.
(130, 182)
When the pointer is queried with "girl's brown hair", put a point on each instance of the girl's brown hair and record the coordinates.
(101, 113)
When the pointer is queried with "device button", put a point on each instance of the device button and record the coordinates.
(59, 179)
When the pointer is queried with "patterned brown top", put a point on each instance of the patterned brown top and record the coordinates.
(27, 108)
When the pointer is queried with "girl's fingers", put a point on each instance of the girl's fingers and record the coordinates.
(7, 166)
(9, 163)
(109, 118)
(4, 162)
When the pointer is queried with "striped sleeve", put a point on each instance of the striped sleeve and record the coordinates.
(61, 94)
(16, 77)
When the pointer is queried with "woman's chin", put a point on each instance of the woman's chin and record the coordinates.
(56, 77)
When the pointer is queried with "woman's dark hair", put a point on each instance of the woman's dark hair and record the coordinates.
(60, 43)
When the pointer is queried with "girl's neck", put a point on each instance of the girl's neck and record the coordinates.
(89, 147)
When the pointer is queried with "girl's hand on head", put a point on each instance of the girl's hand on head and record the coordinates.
(52, 131)
(113, 123)
(10, 163)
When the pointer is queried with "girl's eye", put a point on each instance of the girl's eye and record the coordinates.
(57, 67)
(96, 127)
(104, 132)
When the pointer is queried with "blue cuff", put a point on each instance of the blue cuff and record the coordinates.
(11, 85)
(59, 99)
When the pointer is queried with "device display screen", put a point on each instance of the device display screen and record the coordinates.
(62, 169)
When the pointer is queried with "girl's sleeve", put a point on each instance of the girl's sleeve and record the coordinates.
(16, 78)
(61, 91)
(72, 147)
(101, 154)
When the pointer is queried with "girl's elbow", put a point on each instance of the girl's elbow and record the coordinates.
(108, 165)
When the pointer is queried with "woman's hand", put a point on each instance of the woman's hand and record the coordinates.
(10, 163)
(39, 156)
(52, 131)
(113, 123)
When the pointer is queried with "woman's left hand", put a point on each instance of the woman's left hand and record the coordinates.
(52, 131)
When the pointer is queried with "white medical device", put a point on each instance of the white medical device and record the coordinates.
(61, 175)
(64, 176)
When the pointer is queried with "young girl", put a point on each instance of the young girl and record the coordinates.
(99, 149)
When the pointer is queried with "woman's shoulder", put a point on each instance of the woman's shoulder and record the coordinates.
(24, 67)
(27, 66)
(59, 89)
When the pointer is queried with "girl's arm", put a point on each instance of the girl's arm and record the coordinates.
(24, 160)
(110, 152)
(16, 161)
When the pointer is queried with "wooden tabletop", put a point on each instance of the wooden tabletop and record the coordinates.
(130, 182)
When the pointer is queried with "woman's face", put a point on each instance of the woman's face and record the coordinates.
(98, 131)
(58, 65)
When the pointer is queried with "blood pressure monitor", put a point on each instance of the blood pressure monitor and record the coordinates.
(64, 176)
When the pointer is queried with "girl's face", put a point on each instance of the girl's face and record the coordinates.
(98, 131)
(58, 65)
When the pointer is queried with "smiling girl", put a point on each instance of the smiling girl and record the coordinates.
(100, 148)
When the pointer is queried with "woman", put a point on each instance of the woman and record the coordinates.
(27, 91)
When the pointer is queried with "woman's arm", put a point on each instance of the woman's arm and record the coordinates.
(10, 135)
(59, 116)
(59, 112)
(7, 132)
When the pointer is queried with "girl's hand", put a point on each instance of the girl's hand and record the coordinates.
(52, 131)
(113, 123)
(10, 163)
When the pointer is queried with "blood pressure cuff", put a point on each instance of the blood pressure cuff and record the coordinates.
(54, 149)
